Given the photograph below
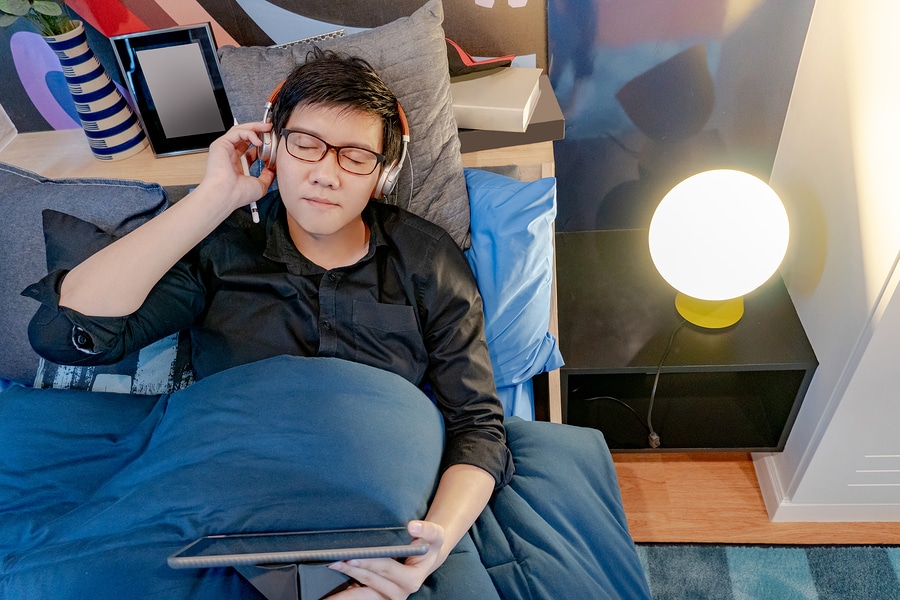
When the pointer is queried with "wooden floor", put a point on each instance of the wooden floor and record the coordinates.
(715, 498)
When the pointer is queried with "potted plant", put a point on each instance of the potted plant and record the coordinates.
(49, 17)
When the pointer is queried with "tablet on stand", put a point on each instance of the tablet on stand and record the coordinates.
(291, 566)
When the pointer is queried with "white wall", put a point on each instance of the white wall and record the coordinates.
(837, 170)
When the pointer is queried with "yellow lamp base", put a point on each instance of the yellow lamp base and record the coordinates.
(712, 314)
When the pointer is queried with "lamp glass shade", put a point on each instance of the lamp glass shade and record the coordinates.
(718, 235)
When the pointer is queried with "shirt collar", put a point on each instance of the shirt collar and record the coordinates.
(280, 247)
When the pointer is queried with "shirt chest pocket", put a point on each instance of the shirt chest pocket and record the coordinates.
(389, 318)
(387, 336)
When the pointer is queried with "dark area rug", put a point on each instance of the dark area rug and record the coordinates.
(725, 572)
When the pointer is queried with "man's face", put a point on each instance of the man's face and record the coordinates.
(321, 198)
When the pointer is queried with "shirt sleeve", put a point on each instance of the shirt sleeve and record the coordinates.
(459, 368)
(66, 336)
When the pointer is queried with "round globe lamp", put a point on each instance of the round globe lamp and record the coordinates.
(715, 237)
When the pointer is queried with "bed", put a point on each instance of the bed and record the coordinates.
(105, 471)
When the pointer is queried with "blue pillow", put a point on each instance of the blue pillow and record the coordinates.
(512, 258)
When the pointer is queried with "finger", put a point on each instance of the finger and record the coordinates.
(256, 125)
(252, 153)
(230, 146)
(243, 136)
(382, 575)
(252, 130)
(265, 178)
(431, 533)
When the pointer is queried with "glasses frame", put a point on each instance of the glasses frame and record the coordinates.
(380, 158)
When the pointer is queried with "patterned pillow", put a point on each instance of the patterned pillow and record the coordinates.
(160, 368)
(410, 54)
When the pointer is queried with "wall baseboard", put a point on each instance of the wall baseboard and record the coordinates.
(781, 509)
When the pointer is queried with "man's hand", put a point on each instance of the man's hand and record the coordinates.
(115, 281)
(388, 579)
(228, 155)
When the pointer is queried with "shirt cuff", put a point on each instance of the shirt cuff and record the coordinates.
(64, 335)
(46, 291)
(483, 451)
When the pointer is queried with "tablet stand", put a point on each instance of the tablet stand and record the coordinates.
(312, 581)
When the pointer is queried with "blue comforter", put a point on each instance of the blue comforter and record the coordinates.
(97, 489)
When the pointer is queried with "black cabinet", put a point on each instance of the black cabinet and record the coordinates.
(737, 388)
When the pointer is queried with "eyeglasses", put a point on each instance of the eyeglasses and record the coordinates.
(309, 148)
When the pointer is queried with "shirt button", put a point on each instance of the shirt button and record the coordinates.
(327, 325)
(332, 277)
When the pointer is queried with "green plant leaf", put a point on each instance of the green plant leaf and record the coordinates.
(47, 7)
(18, 8)
(7, 20)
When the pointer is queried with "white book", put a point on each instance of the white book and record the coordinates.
(502, 100)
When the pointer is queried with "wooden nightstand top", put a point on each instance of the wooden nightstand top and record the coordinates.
(65, 153)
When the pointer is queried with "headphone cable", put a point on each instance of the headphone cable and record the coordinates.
(412, 179)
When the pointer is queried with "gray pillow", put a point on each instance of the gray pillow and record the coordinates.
(115, 205)
(410, 54)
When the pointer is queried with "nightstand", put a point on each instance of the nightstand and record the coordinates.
(738, 388)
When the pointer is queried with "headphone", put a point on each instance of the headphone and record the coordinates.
(390, 174)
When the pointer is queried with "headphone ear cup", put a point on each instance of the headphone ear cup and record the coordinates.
(387, 181)
(390, 175)
(269, 150)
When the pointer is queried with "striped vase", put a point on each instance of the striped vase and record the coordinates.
(111, 127)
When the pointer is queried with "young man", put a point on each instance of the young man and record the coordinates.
(326, 272)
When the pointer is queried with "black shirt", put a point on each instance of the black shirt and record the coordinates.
(410, 306)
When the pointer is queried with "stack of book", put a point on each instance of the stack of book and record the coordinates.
(505, 107)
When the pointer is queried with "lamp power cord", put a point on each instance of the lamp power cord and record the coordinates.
(652, 437)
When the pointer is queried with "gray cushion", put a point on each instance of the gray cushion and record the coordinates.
(115, 205)
(411, 56)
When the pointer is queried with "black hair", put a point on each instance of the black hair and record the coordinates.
(329, 78)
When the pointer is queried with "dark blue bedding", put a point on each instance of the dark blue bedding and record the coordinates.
(97, 489)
